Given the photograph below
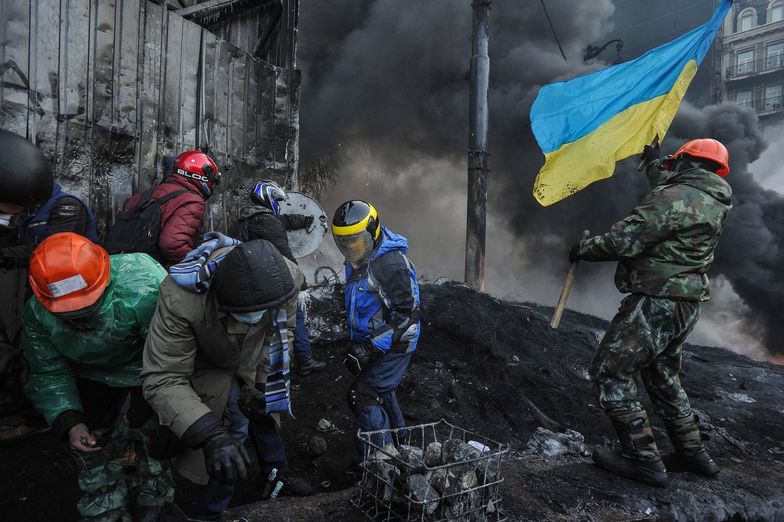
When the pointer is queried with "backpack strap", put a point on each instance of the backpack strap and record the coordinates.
(147, 201)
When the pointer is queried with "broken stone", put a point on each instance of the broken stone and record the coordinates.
(389, 451)
(316, 446)
(488, 471)
(380, 478)
(412, 456)
(455, 450)
(324, 425)
(548, 444)
(432, 455)
(468, 478)
(422, 494)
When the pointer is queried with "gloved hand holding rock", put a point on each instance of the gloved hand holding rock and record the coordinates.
(360, 356)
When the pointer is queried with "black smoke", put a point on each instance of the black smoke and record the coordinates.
(390, 78)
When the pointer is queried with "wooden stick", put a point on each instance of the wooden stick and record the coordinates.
(567, 287)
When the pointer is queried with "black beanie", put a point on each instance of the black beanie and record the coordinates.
(252, 277)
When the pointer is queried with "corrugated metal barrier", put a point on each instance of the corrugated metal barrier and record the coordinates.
(107, 88)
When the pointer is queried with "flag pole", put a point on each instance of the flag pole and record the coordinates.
(477, 149)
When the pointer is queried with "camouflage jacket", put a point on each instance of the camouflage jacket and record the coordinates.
(665, 246)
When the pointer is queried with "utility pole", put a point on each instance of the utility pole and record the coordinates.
(477, 149)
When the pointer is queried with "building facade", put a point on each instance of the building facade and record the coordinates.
(752, 62)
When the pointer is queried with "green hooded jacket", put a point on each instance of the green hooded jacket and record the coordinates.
(110, 352)
(665, 246)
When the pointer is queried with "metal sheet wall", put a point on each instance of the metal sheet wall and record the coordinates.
(107, 88)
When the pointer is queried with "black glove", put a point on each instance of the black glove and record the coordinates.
(574, 253)
(308, 221)
(227, 459)
(252, 402)
(650, 154)
(360, 356)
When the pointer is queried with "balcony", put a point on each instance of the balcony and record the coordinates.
(753, 68)
(767, 105)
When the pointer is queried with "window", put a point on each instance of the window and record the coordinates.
(773, 97)
(776, 13)
(746, 62)
(746, 21)
(774, 55)
(743, 98)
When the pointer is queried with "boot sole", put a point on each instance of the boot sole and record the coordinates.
(619, 466)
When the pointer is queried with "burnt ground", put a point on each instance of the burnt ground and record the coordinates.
(496, 368)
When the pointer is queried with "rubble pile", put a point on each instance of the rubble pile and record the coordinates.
(495, 368)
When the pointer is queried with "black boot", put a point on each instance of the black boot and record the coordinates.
(310, 366)
(639, 458)
(690, 454)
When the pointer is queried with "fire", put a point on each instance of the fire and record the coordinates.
(776, 359)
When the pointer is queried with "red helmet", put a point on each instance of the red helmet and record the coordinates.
(704, 148)
(200, 170)
(68, 272)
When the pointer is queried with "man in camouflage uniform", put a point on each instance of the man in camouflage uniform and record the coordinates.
(664, 249)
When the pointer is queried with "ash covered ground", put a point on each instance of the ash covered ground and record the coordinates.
(496, 368)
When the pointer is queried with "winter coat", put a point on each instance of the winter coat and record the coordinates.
(382, 297)
(194, 351)
(258, 222)
(665, 246)
(109, 353)
(181, 217)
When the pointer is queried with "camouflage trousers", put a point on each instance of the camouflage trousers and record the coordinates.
(646, 336)
(122, 478)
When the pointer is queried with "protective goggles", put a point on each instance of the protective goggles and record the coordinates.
(355, 247)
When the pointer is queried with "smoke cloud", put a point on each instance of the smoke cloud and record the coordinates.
(386, 82)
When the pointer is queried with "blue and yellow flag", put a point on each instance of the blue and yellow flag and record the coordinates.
(586, 124)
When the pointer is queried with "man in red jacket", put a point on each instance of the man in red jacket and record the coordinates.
(194, 176)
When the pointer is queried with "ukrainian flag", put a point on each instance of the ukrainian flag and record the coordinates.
(586, 124)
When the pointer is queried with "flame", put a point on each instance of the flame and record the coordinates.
(776, 359)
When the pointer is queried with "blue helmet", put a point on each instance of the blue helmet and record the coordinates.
(268, 194)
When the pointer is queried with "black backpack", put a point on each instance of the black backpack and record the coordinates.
(137, 229)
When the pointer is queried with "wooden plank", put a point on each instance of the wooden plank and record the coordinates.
(15, 66)
(150, 94)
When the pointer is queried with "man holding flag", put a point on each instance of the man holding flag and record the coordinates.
(664, 247)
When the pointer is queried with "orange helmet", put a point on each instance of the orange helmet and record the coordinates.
(704, 148)
(68, 272)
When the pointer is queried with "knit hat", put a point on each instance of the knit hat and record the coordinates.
(253, 276)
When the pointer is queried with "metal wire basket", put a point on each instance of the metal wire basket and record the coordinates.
(430, 472)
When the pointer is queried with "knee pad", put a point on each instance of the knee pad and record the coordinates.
(360, 396)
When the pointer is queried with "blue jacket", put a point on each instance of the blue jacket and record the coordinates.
(382, 297)
(35, 227)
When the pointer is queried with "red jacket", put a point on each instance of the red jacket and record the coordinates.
(180, 218)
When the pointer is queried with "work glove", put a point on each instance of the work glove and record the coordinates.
(252, 402)
(227, 459)
(308, 221)
(650, 154)
(574, 253)
(360, 356)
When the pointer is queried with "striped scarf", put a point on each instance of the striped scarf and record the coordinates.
(194, 272)
(277, 389)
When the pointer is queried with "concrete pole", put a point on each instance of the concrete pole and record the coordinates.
(477, 149)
